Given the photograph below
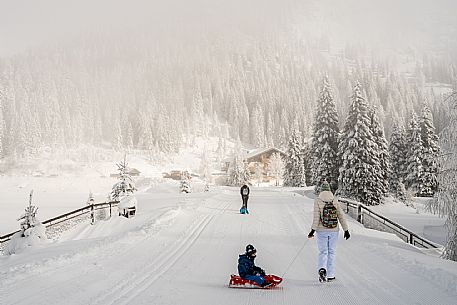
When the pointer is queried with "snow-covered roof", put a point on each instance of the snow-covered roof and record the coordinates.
(262, 151)
(128, 202)
(254, 152)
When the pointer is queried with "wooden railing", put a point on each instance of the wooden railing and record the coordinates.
(70, 215)
(373, 220)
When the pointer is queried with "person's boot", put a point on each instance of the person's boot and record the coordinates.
(266, 284)
(322, 275)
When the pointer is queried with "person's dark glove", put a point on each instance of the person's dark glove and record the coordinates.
(311, 233)
(346, 234)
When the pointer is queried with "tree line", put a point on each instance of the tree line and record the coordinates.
(357, 160)
(141, 93)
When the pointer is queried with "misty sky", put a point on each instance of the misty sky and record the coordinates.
(28, 23)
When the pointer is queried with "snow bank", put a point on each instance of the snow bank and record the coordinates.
(31, 237)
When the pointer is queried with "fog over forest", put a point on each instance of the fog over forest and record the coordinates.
(147, 74)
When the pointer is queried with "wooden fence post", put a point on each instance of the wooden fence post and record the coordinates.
(359, 213)
(92, 216)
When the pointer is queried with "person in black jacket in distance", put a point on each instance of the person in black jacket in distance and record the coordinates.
(244, 191)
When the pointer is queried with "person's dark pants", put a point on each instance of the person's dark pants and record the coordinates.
(255, 278)
(245, 201)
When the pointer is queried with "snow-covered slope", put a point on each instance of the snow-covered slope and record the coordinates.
(181, 249)
(61, 185)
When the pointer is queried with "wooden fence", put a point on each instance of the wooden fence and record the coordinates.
(55, 226)
(373, 220)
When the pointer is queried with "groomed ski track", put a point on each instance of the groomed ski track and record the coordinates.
(182, 248)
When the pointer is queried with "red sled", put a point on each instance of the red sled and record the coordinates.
(238, 282)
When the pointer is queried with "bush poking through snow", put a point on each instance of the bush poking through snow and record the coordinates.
(32, 231)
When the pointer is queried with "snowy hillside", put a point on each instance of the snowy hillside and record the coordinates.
(182, 248)
(62, 183)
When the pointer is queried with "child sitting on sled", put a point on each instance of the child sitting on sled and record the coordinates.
(248, 270)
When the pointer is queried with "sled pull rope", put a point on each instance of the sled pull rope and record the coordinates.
(298, 253)
(268, 223)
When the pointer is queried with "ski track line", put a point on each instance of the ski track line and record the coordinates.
(134, 285)
(122, 289)
(109, 246)
(414, 294)
(148, 281)
(369, 292)
(278, 295)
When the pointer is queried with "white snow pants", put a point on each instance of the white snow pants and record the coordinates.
(326, 243)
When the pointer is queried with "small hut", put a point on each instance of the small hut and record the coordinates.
(127, 206)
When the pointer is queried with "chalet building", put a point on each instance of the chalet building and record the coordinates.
(256, 158)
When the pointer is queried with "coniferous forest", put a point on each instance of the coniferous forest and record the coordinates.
(256, 82)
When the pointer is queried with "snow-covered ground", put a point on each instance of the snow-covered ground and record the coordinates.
(415, 218)
(181, 249)
(62, 181)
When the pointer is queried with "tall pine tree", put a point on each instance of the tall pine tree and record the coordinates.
(447, 178)
(398, 155)
(414, 155)
(294, 172)
(324, 147)
(360, 163)
(430, 154)
(239, 172)
(382, 151)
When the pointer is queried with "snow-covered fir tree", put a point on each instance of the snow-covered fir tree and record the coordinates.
(257, 126)
(308, 163)
(383, 168)
(205, 165)
(125, 186)
(414, 155)
(246, 173)
(128, 136)
(324, 145)
(402, 194)
(118, 139)
(447, 178)
(294, 171)
(28, 219)
(430, 154)
(220, 150)
(276, 167)
(398, 155)
(360, 163)
(238, 172)
(258, 175)
(32, 230)
(185, 184)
